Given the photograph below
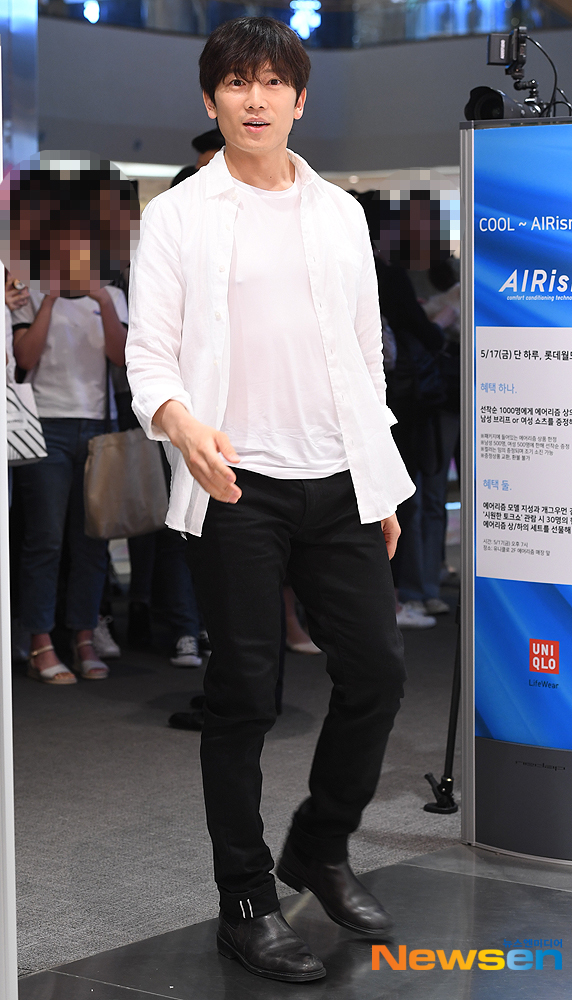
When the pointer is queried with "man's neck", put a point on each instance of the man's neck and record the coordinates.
(272, 171)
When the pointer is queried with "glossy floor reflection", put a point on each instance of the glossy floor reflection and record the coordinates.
(459, 898)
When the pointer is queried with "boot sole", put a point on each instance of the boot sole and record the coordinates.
(227, 951)
(294, 882)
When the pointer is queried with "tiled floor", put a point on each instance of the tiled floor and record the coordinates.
(459, 898)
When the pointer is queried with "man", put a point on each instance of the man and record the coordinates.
(207, 145)
(255, 350)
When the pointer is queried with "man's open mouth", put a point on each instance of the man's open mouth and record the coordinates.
(256, 125)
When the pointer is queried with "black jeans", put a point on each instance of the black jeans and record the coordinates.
(340, 571)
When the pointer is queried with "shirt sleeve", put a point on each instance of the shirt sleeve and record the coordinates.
(368, 319)
(156, 310)
(24, 315)
(119, 302)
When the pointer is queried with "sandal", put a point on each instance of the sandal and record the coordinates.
(89, 670)
(58, 674)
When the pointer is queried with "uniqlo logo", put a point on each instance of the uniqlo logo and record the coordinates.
(544, 656)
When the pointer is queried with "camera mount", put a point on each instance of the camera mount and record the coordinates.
(510, 50)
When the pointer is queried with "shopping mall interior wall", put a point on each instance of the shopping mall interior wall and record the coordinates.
(133, 95)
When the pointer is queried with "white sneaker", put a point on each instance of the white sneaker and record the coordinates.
(417, 606)
(186, 652)
(409, 617)
(103, 642)
(435, 606)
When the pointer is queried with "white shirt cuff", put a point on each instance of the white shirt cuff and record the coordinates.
(145, 406)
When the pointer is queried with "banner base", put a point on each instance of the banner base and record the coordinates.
(524, 799)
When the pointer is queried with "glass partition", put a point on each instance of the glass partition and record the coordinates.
(323, 23)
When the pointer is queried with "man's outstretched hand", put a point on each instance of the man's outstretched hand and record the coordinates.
(201, 447)
(391, 532)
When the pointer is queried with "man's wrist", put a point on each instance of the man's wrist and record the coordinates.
(174, 420)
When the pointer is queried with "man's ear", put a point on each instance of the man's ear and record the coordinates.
(210, 106)
(299, 106)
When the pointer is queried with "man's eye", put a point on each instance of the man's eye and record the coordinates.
(237, 83)
(275, 81)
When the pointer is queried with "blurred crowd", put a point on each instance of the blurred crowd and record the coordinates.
(68, 345)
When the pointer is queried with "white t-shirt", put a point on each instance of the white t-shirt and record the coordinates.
(69, 379)
(280, 415)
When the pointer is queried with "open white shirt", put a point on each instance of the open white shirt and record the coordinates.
(178, 345)
(280, 414)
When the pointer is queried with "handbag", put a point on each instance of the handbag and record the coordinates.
(124, 488)
(26, 442)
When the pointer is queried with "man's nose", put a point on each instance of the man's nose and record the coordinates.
(256, 96)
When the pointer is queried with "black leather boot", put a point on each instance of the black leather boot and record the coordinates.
(267, 946)
(344, 898)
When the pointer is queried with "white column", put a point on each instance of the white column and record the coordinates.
(8, 953)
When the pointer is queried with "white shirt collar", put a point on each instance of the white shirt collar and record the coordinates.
(220, 180)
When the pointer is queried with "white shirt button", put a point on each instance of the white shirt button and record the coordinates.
(221, 267)
(217, 315)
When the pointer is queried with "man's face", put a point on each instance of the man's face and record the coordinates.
(255, 116)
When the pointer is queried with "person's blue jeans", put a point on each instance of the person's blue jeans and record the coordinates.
(50, 489)
(160, 576)
(423, 534)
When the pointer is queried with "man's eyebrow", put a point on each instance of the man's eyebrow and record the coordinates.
(247, 76)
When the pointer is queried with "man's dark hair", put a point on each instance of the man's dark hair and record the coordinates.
(184, 172)
(245, 46)
(213, 139)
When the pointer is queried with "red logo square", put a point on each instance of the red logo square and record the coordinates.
(544, 656)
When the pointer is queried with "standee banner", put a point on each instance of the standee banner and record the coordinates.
(523, 434)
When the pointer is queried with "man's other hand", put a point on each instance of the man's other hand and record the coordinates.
(391, 532)
(201, 447)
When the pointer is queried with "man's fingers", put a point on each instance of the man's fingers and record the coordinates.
(216, 486)
(226, 494)
(203, 453)
(218, 477)
(391, 533)
(219, 471)
(210, 454)
(215, 477)
(224, 446)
